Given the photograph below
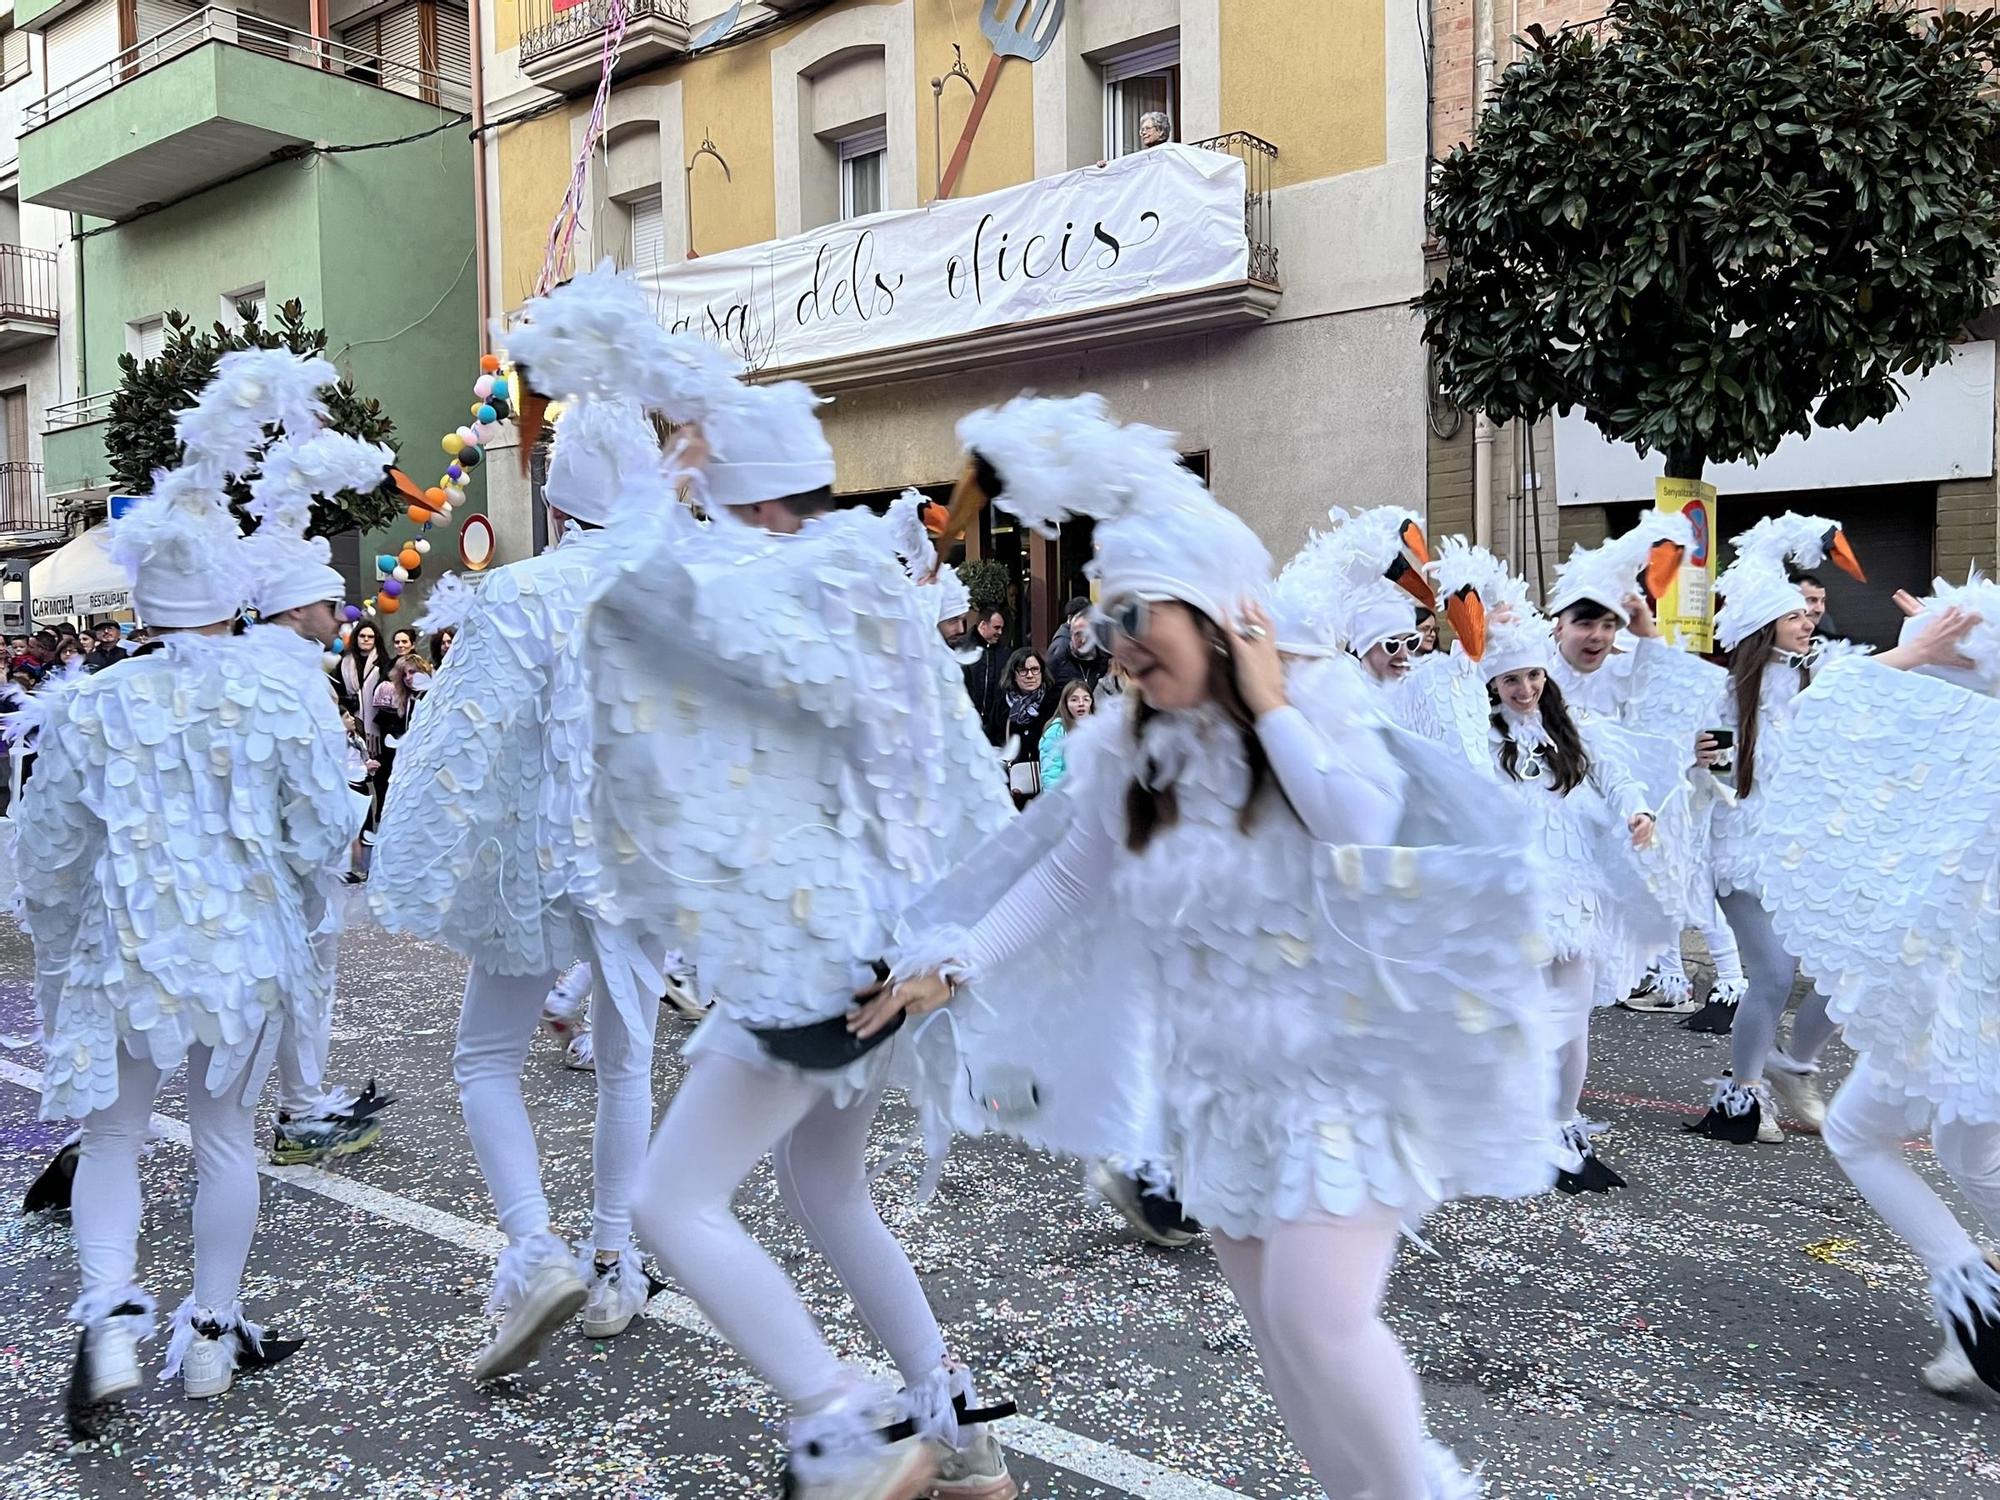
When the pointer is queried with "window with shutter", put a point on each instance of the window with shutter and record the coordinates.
(646, 242)
(862, 160)
(146, 339)
(233, 301)
(80, 43)
(402, 48)
(454, 41)
(15, 63)
(1136, 85)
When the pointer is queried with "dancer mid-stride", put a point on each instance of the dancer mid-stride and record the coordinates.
(786, 756)
(485, 842)
(1876, 873)
(186, 828)
(1591, 813)
(1310, 995)
(1764, 628)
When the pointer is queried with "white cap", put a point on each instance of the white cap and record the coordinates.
(1756, 592)
(287, 572)
(954, 598)
(765, 443)
(184, 553)
(606, 453)
(1160, 533)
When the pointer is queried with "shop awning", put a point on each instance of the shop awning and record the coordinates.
(78, 578)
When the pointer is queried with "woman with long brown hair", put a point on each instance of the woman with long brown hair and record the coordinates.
(1302, 1005)
(1766, 630)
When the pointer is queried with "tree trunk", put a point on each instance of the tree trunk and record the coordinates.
(1685, 463)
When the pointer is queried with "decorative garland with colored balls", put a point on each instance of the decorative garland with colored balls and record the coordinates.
(464, 451)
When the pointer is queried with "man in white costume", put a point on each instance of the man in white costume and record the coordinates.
(786, 755)
(1613, 666)
(486, 845)
(188, 817)
(295, 588)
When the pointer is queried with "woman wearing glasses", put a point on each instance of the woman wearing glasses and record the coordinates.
(1247, 1014)
(1017, 716)
(1590, 813)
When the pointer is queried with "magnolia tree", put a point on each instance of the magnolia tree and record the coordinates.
(140, 434)
(1719, 222)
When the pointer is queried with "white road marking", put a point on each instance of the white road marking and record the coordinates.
(1086, 1457)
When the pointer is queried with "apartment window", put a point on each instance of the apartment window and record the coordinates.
(14, 63)
(863, 159)
(1137, 84)
(233, 301)
(645, 230)
(146, 340)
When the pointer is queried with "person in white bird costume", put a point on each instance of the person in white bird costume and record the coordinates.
(785, 757)
(1310, 1002)
(1764, 628)
(1877, 871)
(178, 851)
(486, 842)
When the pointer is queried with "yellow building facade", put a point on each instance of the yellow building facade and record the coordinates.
(1293, 374)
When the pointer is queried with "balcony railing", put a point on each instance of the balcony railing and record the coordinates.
(548, 26)
(81, 412)
(28, 284)
(25, 509)
(254, 34)
(1260, 161)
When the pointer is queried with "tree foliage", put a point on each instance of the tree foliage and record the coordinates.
(140, 434)
(1723, 222)
(987, 581)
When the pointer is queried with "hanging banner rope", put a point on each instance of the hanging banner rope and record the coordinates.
(562, 233)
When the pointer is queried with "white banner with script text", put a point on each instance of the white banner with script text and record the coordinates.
(1161, 222)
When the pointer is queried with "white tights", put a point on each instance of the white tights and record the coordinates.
(1771, 971)
(495, 1027)
(1312, 1292)
(105, 1202)
(727, 1114)
(1574, 982)
(1721, 941)
(1865, 1130)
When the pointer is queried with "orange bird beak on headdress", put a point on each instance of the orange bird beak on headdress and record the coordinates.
(1467, 613)
(1842, 555)
(409, 488)
(1407, 571)
(1662, 563)
(974, 491)
(530, 415)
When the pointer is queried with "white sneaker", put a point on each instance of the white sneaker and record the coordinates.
(208, 1365)
(617, 1294)
(1951, 1373)
(844, 1453)
(978, 1471)
(536, 1304)
(114, 1358)
(682, 992)
(562, 1009)
(580, 1056)
(1800, 1096)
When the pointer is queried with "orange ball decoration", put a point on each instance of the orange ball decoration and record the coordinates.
(387, 605)
(490, 363)
(419, 515)
(435, 497)
(410, 558)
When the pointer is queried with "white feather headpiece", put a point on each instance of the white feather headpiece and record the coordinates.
(1336, 592)
(447, 604)
(253, 390)
(1757, 589)
(595, 338)
(1608, 574)
(1518, 635)
(1160, 533)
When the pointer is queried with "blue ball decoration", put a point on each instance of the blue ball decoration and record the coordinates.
(500, 390)
(385, 562)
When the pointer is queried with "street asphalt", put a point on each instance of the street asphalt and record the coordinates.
(1736, 1323)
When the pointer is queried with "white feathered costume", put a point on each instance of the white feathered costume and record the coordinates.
(189, 811)
(785, 752)
(1278, 1026)
(485, 843)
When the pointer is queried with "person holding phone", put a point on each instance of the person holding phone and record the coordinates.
(773, 785)
(1249, 1018)
(1765, 627)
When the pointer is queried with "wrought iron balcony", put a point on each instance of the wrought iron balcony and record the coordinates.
(29, 308)
(28, 517)
(562, 45)
(1260, 161)
(252, 33)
